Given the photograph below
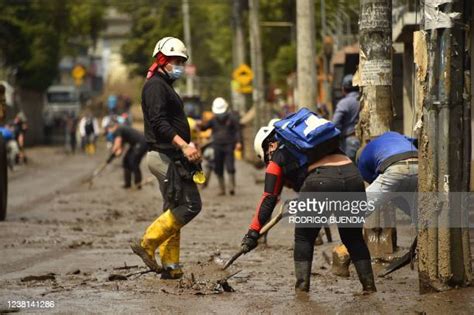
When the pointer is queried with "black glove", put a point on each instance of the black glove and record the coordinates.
(250, 240)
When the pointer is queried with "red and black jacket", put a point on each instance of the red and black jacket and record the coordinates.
(277, 175)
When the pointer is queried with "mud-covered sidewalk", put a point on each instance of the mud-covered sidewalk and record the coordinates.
(69, 244)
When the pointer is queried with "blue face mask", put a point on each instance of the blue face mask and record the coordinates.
(177, 72)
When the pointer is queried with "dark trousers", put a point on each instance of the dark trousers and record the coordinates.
(224, 156)
(131, 163)
(344, 178)
(189, 204)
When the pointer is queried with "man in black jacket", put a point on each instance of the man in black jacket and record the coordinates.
(137, 148)
(168, 137)
(226, 137)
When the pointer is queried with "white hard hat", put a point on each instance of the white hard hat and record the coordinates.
(260, 138)
(219, 106)
(171, 47)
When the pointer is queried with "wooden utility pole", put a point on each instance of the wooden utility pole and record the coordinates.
(238, 43)
(187, 41)
(258, 93)
(375, 69)
(444, 96)
(327, 51)
(306, 55)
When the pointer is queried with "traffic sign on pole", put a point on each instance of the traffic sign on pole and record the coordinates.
(243, 74)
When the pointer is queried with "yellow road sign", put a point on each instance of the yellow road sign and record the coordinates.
(246, 89)
(243, 74)
(237, 87)
(78, 72)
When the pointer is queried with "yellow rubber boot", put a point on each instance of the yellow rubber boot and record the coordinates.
(158, 232)
(169, 253)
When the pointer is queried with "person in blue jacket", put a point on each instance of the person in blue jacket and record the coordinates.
(346, 117)
(389, 163)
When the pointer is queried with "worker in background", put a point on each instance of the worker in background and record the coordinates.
(70, 130)
(346, 117)
(226, 137)
(170, 158)
(89, 131)
(327, 169)
(112, 102)
(20, 126)
(137, 147)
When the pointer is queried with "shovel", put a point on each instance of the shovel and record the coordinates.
(99, 170)
(402, 261)
(263, 231)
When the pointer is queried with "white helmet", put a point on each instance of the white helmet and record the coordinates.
(170, 47)
(260, 138)
(219, 106)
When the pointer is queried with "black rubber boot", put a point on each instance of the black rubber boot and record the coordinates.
(366, 275)
(303, 275)
(232, 184)
(221, 185)
(127, 178)
(137, 178)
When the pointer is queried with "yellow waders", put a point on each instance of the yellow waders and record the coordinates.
(163, 233)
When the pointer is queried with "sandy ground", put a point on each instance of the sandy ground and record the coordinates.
(78, 237)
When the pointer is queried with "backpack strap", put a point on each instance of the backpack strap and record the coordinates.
(297, 161)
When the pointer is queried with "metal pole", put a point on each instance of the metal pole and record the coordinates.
(444, 259)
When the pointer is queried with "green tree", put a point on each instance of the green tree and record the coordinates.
(151, 20)
(211, 38)
(35, 34)
(283, 64)
(279, 43)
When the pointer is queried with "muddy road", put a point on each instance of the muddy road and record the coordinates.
(69, 244)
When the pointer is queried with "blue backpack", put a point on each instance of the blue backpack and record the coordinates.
(302, 132)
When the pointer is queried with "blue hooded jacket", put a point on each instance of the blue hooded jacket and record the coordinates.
(383, 151)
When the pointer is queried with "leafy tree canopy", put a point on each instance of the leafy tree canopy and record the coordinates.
(35, 34)
(212, 35)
